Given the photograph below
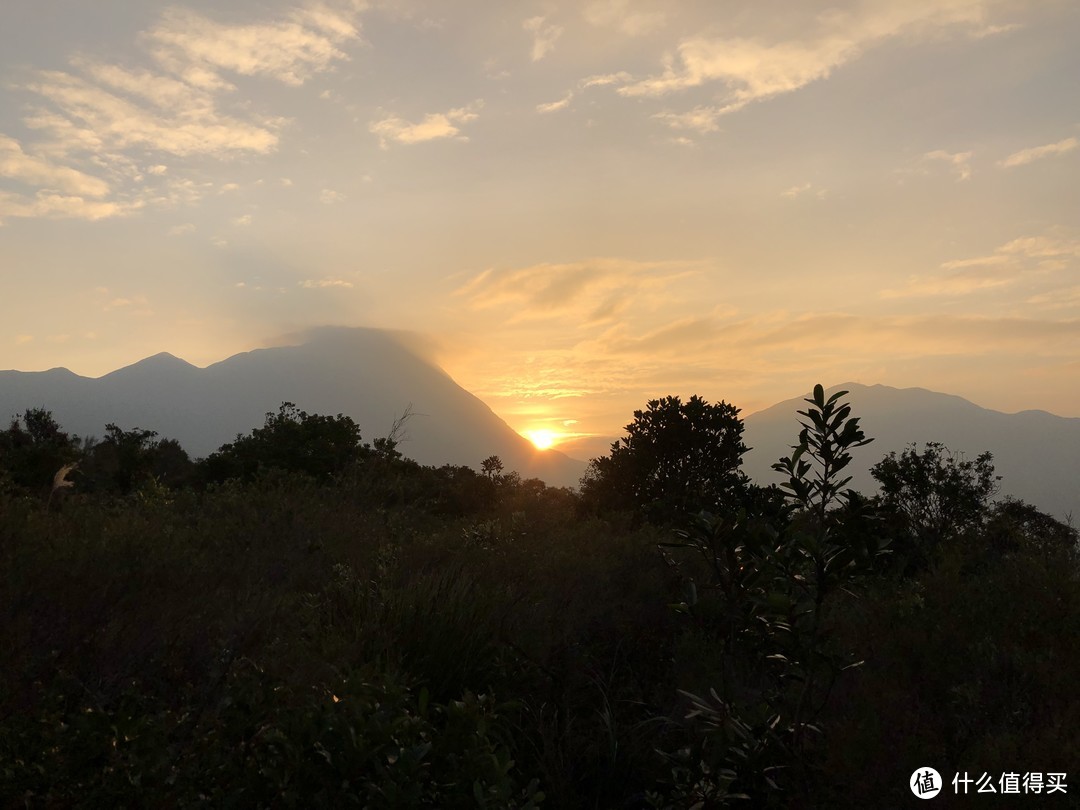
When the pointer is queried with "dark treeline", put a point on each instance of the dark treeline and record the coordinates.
(305, 619)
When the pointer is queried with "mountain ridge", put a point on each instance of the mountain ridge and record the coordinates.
(1037, 453)
(370, 375)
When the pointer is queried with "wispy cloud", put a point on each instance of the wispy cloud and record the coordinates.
(136, 304)
(434, 126)
(621, 15)
(591, 291)
(15, 164)
(120, 123)
(1025, 156)
(604, 79)
(959, 161)
(555, 106)
(803, 190)
(814, 332)
(325, 284)
(1025, 258)
(49, 205)
(328, 196)
(702, 120)
(961, 283)
(1043, 247)
(544, 36)
(290, 50)
(1062, 298)
(756, 68)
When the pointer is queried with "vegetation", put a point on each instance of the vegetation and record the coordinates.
(676, 459)
(306, 620)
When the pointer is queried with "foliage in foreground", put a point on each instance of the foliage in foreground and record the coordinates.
(373, 633)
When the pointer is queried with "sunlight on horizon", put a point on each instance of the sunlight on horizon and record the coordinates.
(543, 439)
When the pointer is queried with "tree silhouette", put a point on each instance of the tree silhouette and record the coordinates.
(677, 457)
(492, 467)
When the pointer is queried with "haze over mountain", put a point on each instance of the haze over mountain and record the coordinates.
(1036, 453)
(368, 374)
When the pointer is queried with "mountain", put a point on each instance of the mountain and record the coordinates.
(1036, 453)
(368, 374)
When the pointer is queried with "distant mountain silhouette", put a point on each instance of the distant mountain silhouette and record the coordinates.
(368, 374)
(1036, 453)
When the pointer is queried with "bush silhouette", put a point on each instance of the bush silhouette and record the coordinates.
(291, 440)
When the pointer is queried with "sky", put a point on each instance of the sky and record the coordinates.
(583, 205)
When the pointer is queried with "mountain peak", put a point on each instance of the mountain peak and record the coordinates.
(156, 364)
(163, 358)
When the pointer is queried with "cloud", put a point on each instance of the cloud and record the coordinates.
(755, 68)
(619, 15)
(978, 261)
(329, 197)
(193, 127)
(92, 116)
(590, 292)
(795, 191)
(290, 50)
(1042, 247)
(700, 119)
(604, 79)
(1025, 156)
(182, 230)
(963, 283)
(1062, 298)
(544, 36)
(555, 106)
(325, 283)
(49, 205)
(127, 304)
(434, 126)
(242, 221)
(960, 161)
(1025, 257)
(814, 332)
(674, 336)
(15, 164)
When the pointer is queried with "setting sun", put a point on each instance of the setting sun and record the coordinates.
(543, 439)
